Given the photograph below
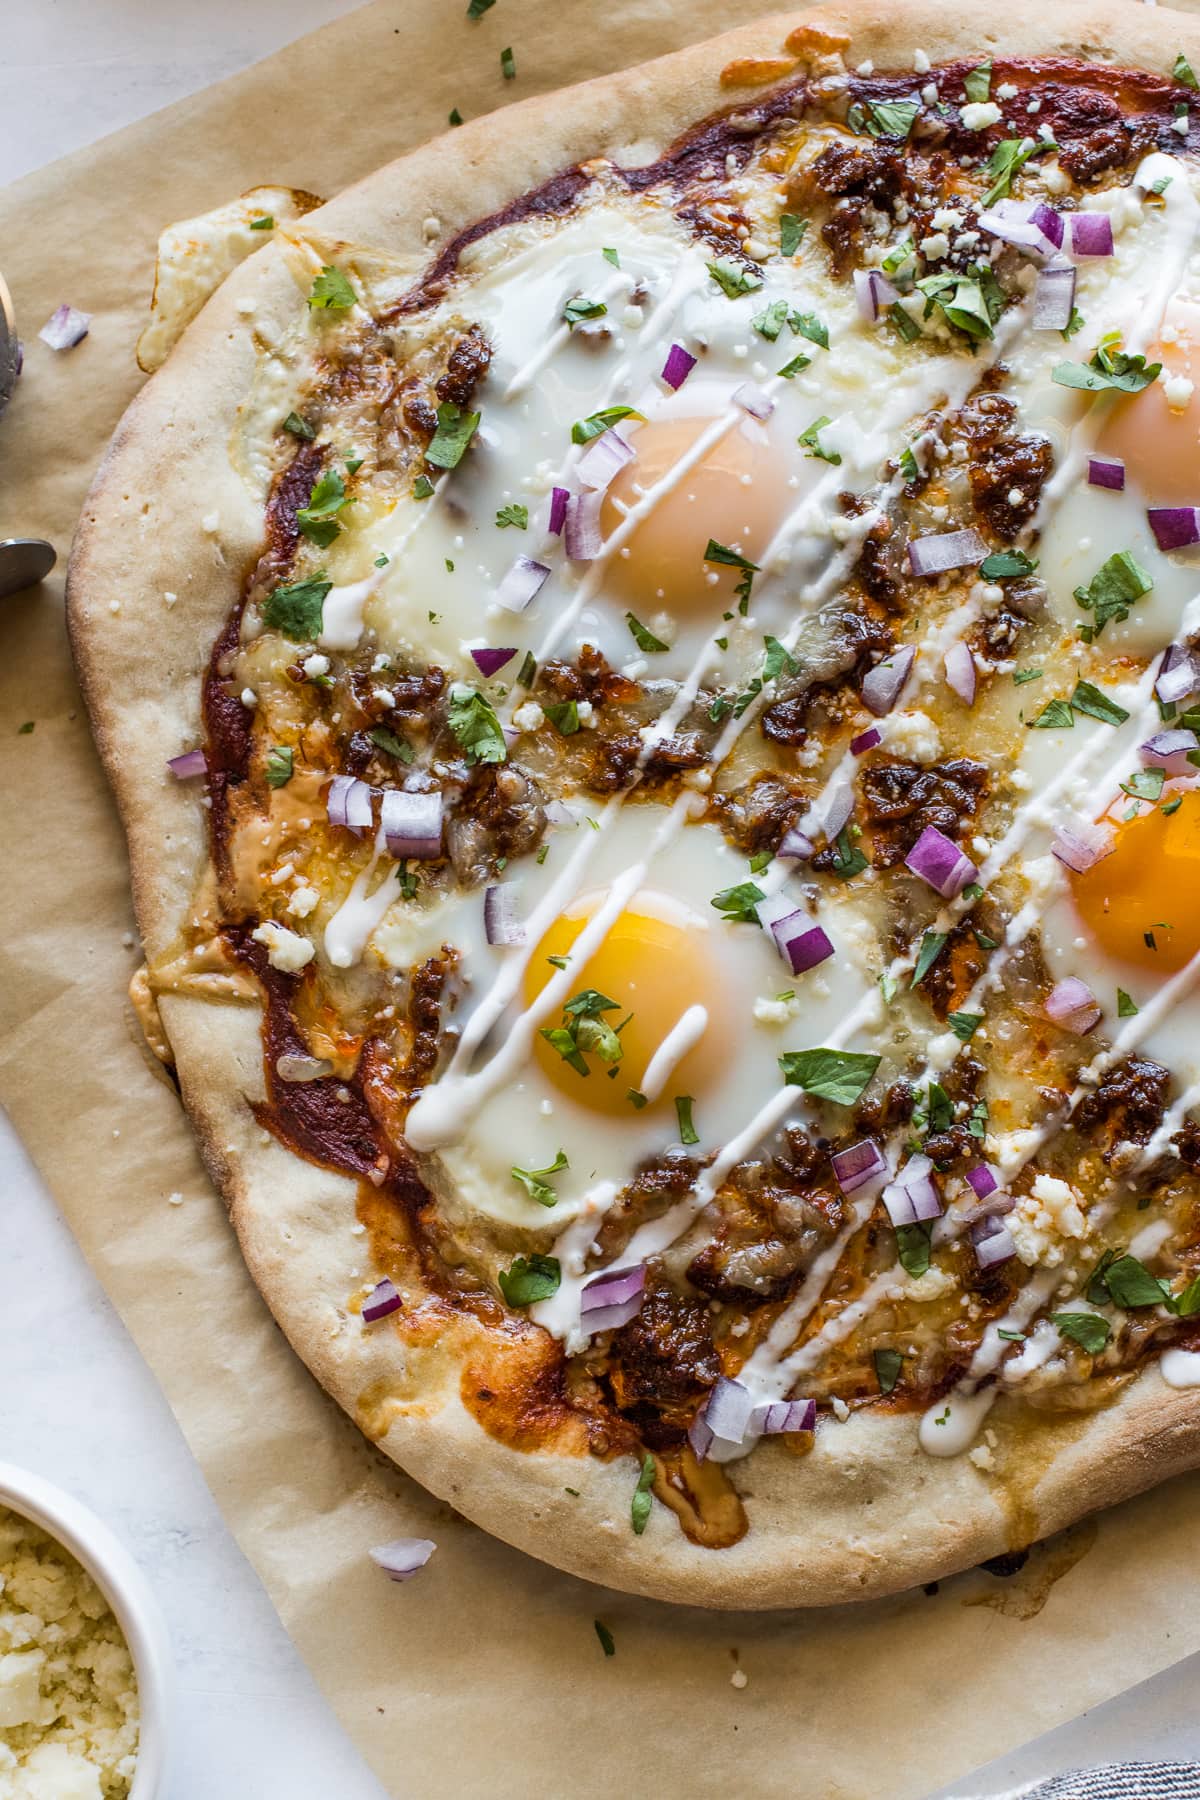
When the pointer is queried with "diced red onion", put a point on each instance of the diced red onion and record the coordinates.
(993, 1242)
(402, 1559)
(611, 1300)
(960, 672)
(873, 292)
(1174, 527)
(753, 400)
(1072, 1004)
(678, 366)
(939, 861)
(1169, 750)
(941, 551)
(500, 922)
(522, 583)
(727, 1414)
(1091, 234)
(1054, 297)
(348, 803)
(983, 1179)
(859, 1164)
(866, 740)
(1031, 226)
(1050, 223)
(292, 1067)
(883, 684)
(605, 457)
(774, 1416)
(1177, 675)
(558, 509)
(192, 762)
(912, 1197)
(65, 328)
(381, 1301)
(802, 944)
(796, 845)
(1106, 472)
(412, 824)
(1081, 844)
(838, 809)
(490, 662)
(583, 539)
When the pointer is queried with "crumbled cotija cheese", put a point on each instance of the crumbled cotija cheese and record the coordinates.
(68, 1695)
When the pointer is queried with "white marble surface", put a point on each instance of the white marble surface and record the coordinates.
(249, 1723)
(78, 1404)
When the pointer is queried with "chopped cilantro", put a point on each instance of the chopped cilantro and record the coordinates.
(1126, 1009)
(508, 65)
(888, 1364)
(964, 1025)
(477, 8)
(737, 904)
(535, 1183)
(1109, 368)
(639, 1510)
(1055, 713)
(331, 291)
(1183, 72)
(913, 1245)
(808, 325)
(838, 1075)
(26, 729)
(1086, 1329)
(583, 1029)
(610, 256)
(1111, 592)
(978, 82)
(513, 514)
(890, 118)
(564, 716)
(848, 859)
(530, 1278)
(904, 322)
(932, 945)
(733, 559)
(266, 221)
(455, 117)
(602, 1631)
(1097, 705)
(642, 637)
(296, 608)
(1007, 159)
(972, 301)
(472, 719)
(1145, 784)
(791, 230)
(584, 430)
(810, 440)
(579, 309)
(683, 1113)
(279, 765)
(298, 427)
(1021, 676)
(318, 520)
(391, 745)
(734, 278)
(455, 429)
(422, 488)
(796, 366)
(1002, 565)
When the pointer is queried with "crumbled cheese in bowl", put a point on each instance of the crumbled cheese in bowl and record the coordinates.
(68, 1693)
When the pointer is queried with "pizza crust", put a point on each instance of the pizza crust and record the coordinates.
(865, 1513)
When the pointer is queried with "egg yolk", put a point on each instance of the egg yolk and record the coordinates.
(1142, 902)
(1159, 443)
(736, 493)
(655, 962)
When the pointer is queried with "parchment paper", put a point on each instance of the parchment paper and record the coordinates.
(484, 1675)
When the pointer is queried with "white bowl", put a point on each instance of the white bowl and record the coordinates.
(128, 1593)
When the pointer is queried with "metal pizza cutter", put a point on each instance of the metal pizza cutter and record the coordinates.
(23, 561)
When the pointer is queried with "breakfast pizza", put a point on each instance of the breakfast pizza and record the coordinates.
(650, 658)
